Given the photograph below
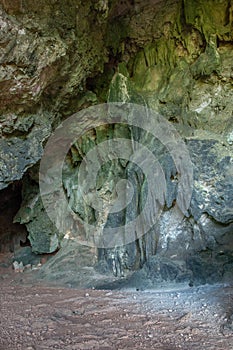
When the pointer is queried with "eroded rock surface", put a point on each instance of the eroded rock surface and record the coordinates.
(174, 57)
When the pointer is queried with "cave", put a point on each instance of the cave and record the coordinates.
(12, 235)
(162, 61)
(116, 168)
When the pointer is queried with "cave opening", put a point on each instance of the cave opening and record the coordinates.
(13, 236)
(15, 245)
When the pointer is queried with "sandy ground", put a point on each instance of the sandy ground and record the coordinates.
(40, 317)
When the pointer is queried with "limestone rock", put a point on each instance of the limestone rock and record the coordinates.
(47, 52)
(172, 56)
(213, 178)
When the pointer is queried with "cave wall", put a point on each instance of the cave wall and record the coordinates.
(173, 56)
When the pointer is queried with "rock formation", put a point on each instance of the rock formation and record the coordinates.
(174, 57)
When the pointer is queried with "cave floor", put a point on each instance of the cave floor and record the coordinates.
(36, 316)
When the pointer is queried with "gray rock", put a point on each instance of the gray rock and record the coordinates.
(213, 179)
(53, 64)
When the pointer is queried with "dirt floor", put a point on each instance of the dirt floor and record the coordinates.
(40, 317)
